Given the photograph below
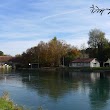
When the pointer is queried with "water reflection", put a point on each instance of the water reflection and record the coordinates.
(95, 76)
(66, 90)
(100, 92)
(56, 85)
(5, 71)
(52, 84)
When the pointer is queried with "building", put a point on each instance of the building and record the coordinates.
(107, 63)
(5, 61)
(85, 62)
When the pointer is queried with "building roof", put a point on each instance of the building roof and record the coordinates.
(83, 60)
(5, 58)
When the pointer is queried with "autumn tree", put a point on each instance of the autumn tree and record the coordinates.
(72, 53)
(42, 54)
(50, 54)
(57, 50)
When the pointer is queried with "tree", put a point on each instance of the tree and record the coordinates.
(96, 37)
(72, 54)
(53, 53)
(57, 50)
(45, 54)
(97, 43)
(83, 51)
(1, 53)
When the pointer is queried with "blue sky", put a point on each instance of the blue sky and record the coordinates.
(24, 23)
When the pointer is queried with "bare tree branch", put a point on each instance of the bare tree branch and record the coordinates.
(96, 9)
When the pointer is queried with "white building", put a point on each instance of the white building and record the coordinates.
(107, 63)
(85, 62)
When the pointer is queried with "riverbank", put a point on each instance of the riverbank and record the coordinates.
(87, 69)
(7, 104)
(77, 69)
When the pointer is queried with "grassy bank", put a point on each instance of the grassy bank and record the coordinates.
(88, 69)
(7, 104)
(76, 69)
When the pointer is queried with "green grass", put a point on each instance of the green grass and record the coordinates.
(7, 104)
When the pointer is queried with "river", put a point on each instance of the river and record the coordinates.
(57, 90)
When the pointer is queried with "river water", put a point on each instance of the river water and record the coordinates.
(57, 90)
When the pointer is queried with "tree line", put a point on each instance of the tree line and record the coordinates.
(57, 53)
(54, 53)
